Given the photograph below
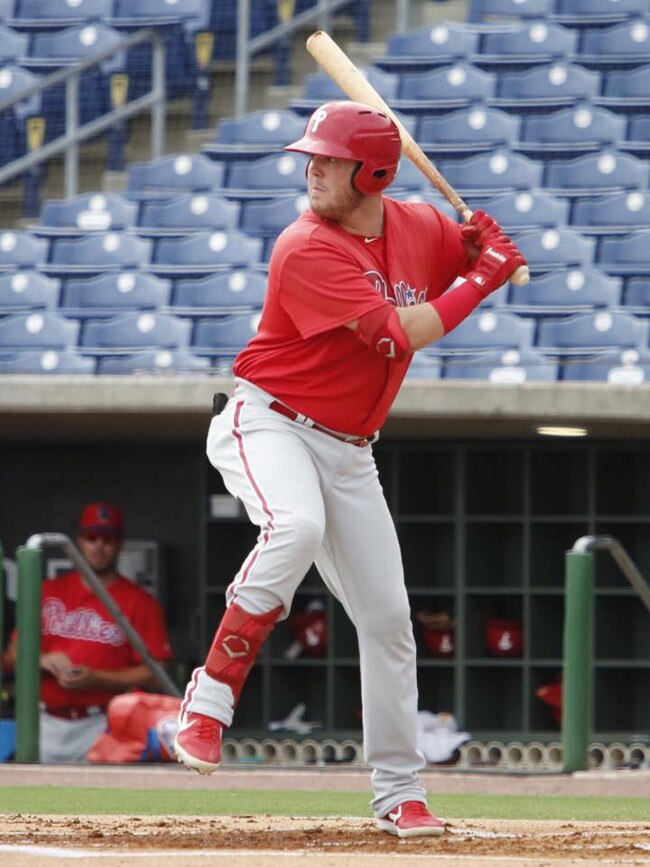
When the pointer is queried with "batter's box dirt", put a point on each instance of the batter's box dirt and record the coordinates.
(553, 842)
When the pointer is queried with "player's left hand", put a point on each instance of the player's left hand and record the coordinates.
(79, 677)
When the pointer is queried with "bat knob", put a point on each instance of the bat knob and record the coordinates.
(521, 276)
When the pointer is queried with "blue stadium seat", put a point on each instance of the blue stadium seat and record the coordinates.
(564, 292)
(42, 329)
(409, 178)
(61, 361)
(43, 14)
(618, 213)
(469, 130)
(228, 334)
(484, 330)
(98, 252)
(629, 254)
(583, 13)
(257, 134)
(575, 130)
(553, 249)
(22, 250)
(618, 367)
(424, 366)
(113, 293)
(626, 44)
(237, 291)
(174, 173)
(526, 43)
(485, 11)
(144, 330)
(448, 87)
(554, 84)
(27, 290)
(504, 367)
(489, 174)
(596, 174)
(600, 329)
(319, 88)
(13, 45)
(13, 122)
(428, 195)
(267, 176)
(267, 218)
(516, 212)
(638, 136)
(188, 212)
(428, 47)
(203, 252)
(626, 89)
(153, 361)
(637, 295)
(90, 212)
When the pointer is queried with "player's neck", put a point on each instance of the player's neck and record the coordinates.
(367, 218)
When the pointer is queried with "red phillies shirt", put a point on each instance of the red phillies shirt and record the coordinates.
(76, 623)
(321, 278)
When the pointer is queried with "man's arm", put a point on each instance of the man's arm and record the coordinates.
(120, 680)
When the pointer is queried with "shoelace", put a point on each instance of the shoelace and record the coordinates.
(208, 729)
(418, 810)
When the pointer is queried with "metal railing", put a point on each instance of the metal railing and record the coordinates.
(28, 616)
(577, 677)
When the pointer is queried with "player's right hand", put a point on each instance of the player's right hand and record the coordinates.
(55, 662)
(480, 228)
(498, 260)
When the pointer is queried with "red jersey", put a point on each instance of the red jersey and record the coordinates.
(75, 622)
(321, 278)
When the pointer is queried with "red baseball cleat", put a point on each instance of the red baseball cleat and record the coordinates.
(411, 819)
(198, 742)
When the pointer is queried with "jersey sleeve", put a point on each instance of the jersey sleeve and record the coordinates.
(324, 288)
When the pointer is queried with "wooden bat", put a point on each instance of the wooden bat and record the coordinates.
(352, 82)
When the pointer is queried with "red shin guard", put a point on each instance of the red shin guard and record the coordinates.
(237, 642)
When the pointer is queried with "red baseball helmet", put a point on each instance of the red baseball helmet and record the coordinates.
(354, 131)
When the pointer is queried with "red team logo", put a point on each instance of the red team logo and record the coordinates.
(401, 295)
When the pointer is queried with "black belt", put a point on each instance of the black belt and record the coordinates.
(287, 412)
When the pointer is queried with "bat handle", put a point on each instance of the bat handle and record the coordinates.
(522, 275)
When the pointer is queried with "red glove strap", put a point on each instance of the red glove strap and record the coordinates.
(456, 304)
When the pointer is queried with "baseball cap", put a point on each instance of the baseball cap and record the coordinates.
(102, 516)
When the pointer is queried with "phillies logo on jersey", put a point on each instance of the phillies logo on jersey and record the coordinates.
(401, 294)
(83, 624)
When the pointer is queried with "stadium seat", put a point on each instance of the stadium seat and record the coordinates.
(595, 174)
(42, 329)
(485, 11)
(626, 90)
(601, 329)
(489, 174)
(27, 290)
(267, 218)
(555, 84)
(134, 331)
(575, 130)
(266, 177)
(228, 334)
(637, 295)
(174, 173)
(424, 366)
(409, 178)
(469, 130)
(13, 45)
(236, 291)
(553, 249)
(204, 251)
(638, 137)
(583, 13)
(629, 254)
(98, 252)
(22, 250)
(260, 133)
(428, 195)
(188, 212)
(504, 367)
(56, 14)
(94, 212)
(518, 211)
(428, 47)
(526, 43)
(153, 361)
(626, 44)
(113, 293)
(319, 88)
(618, 367)
(618, 213)
(448, 87)
(46, 361)
(484, 330)
(564, 292)
(13, 121)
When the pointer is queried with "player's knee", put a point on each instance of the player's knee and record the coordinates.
(306, 533)
(385, 620)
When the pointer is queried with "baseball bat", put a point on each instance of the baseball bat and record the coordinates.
(353, 83)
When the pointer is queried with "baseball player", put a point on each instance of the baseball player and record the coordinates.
(357, 284)
(85, 657)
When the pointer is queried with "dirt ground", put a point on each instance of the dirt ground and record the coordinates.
(264, 841)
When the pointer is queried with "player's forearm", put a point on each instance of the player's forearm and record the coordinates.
(422, 325)
(125, 678)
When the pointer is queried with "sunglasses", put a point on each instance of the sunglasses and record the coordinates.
(106, 536)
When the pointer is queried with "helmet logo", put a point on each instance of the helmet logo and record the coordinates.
(318, 118)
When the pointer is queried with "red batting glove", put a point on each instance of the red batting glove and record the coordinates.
(498, 260)
(480, 228)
